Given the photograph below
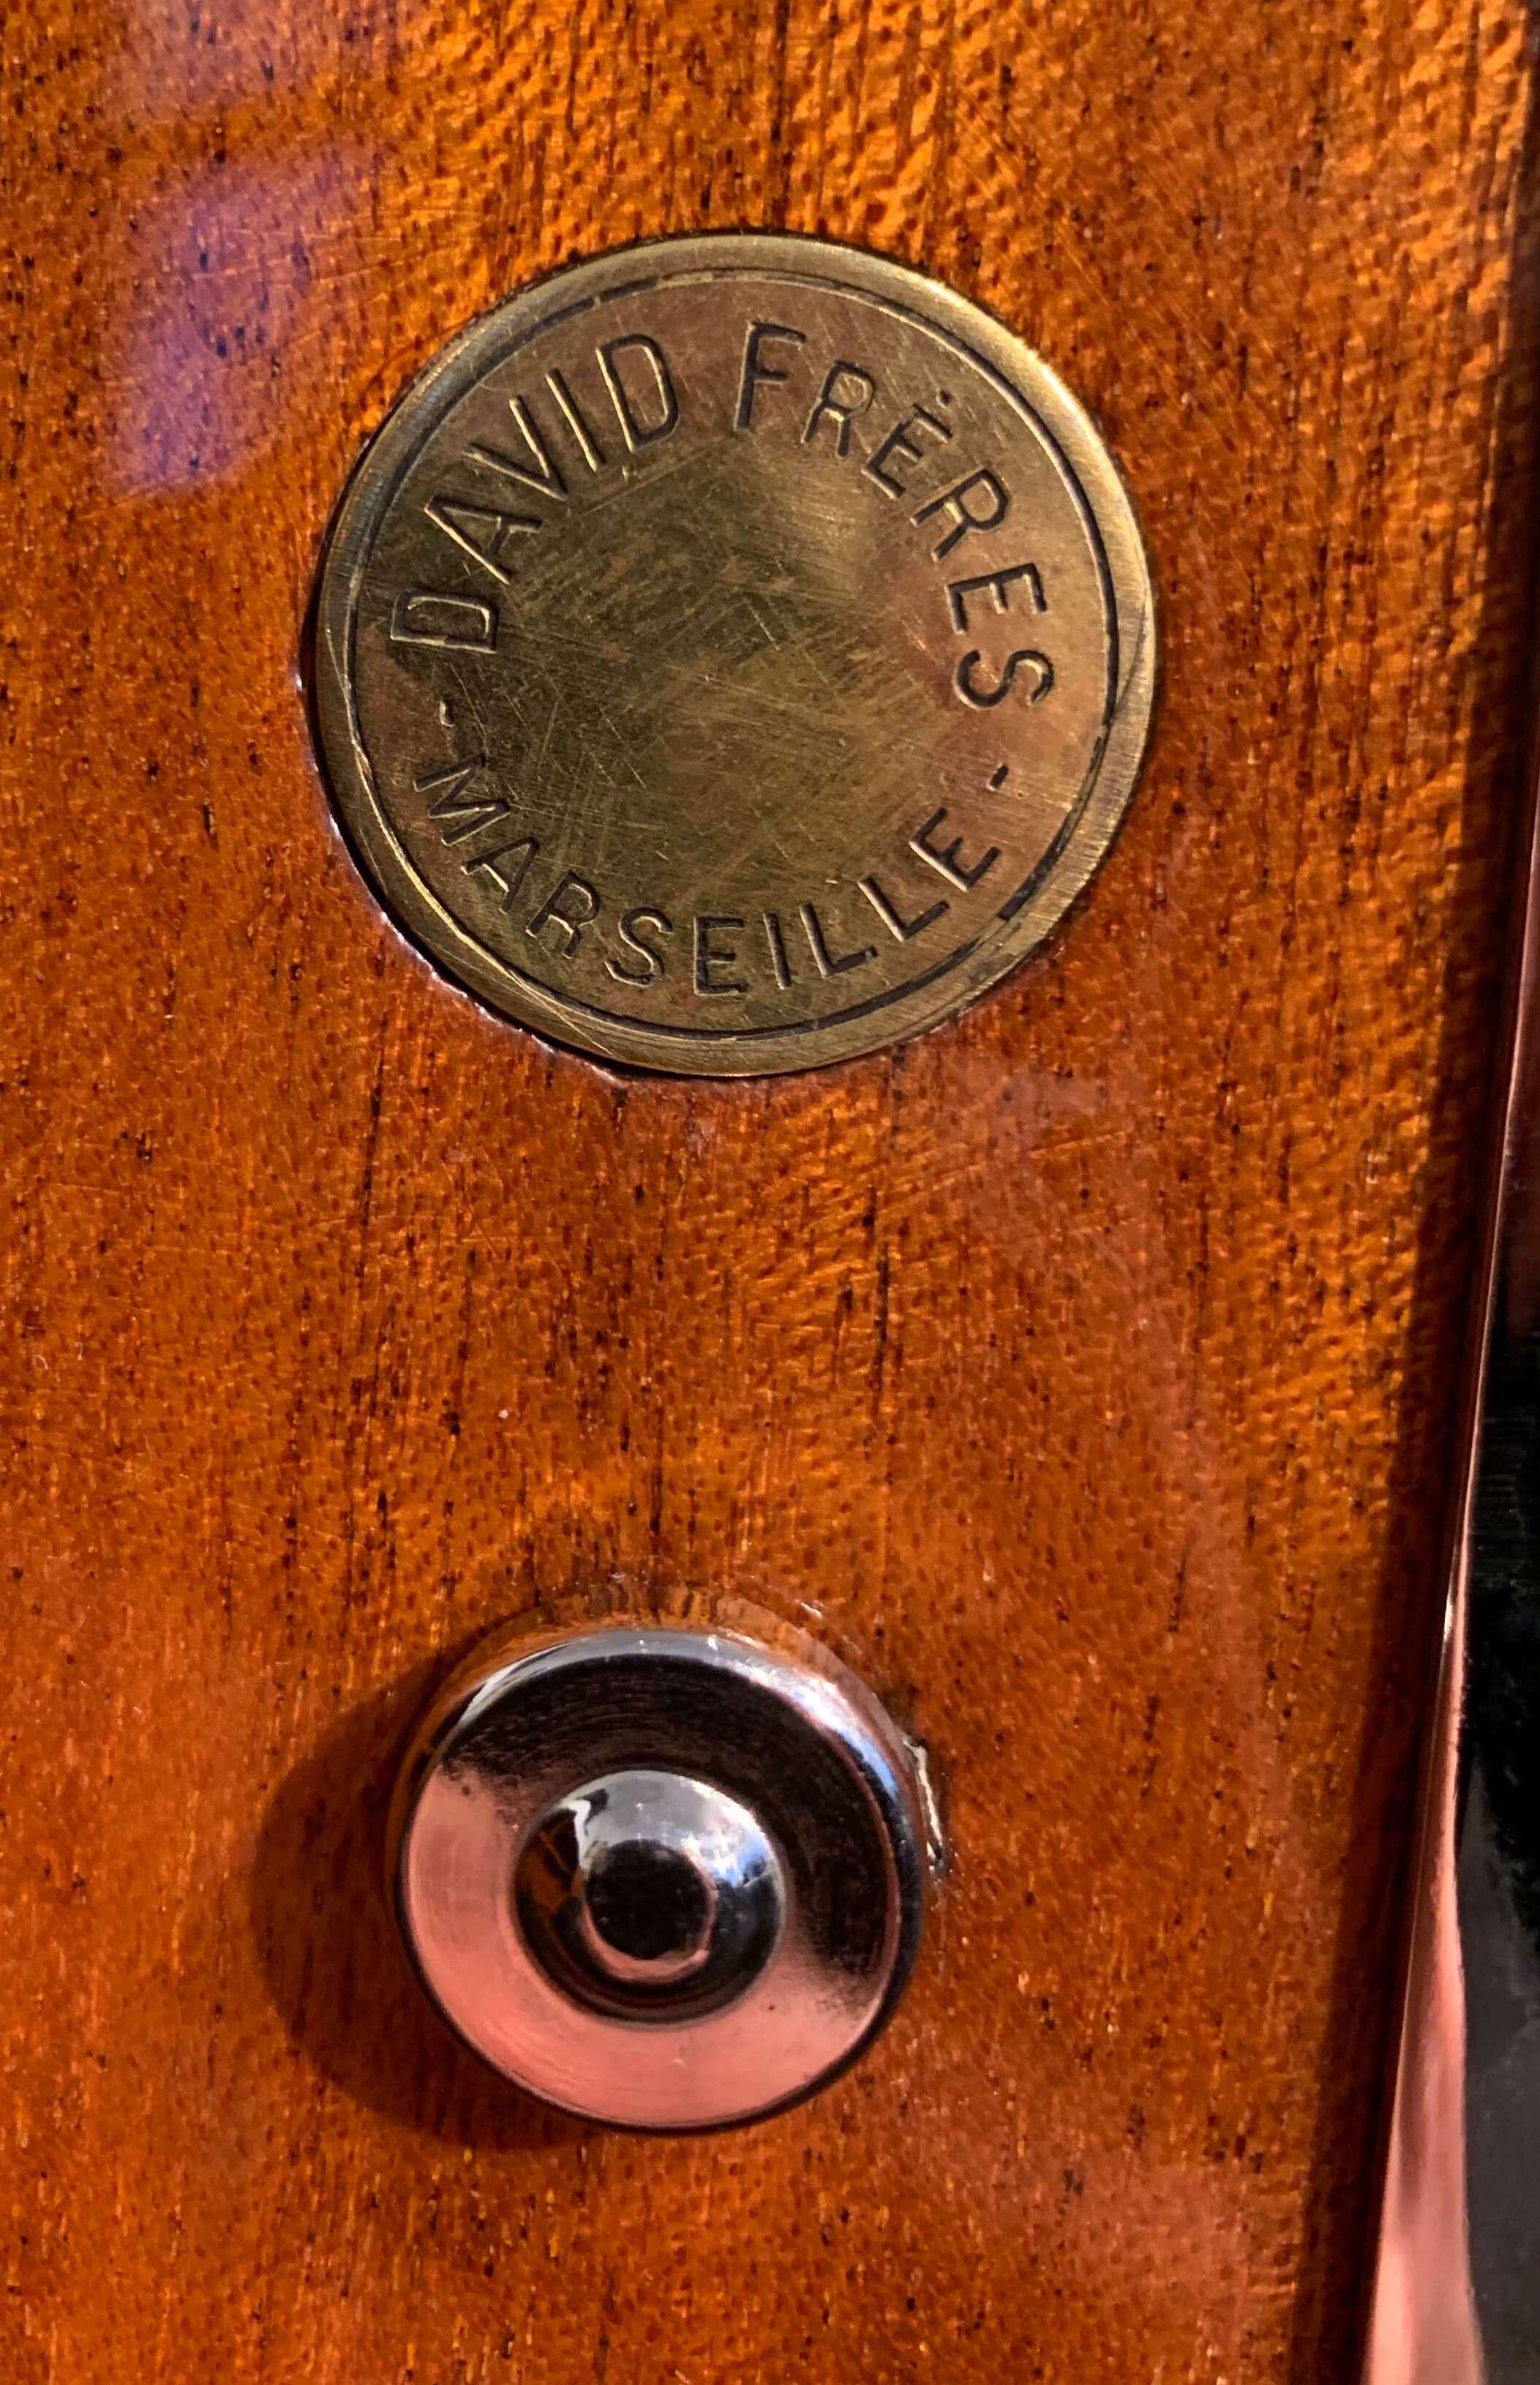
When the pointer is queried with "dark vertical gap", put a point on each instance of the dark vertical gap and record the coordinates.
(1336, 2261)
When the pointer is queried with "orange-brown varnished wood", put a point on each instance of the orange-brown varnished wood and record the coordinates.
(1087, 1367)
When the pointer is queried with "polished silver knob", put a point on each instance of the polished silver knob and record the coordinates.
(645, 1893)
(666, 1878)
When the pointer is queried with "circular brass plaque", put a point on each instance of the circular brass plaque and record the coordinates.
(733, 655)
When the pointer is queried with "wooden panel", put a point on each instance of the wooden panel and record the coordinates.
(1087, 1365)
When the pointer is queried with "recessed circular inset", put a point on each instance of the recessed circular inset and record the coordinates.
(734, 653)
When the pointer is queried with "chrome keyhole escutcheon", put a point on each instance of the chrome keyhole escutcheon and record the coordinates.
(666, 1878)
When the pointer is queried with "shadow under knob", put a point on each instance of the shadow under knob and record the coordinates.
(663, 1877)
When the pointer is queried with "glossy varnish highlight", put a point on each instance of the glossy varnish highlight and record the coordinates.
(1086, 1367)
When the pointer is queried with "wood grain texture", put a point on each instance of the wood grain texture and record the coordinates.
(1087, 1365)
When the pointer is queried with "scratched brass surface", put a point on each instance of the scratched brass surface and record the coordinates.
(734, 653)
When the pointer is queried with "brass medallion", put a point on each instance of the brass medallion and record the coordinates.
(733, 655)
